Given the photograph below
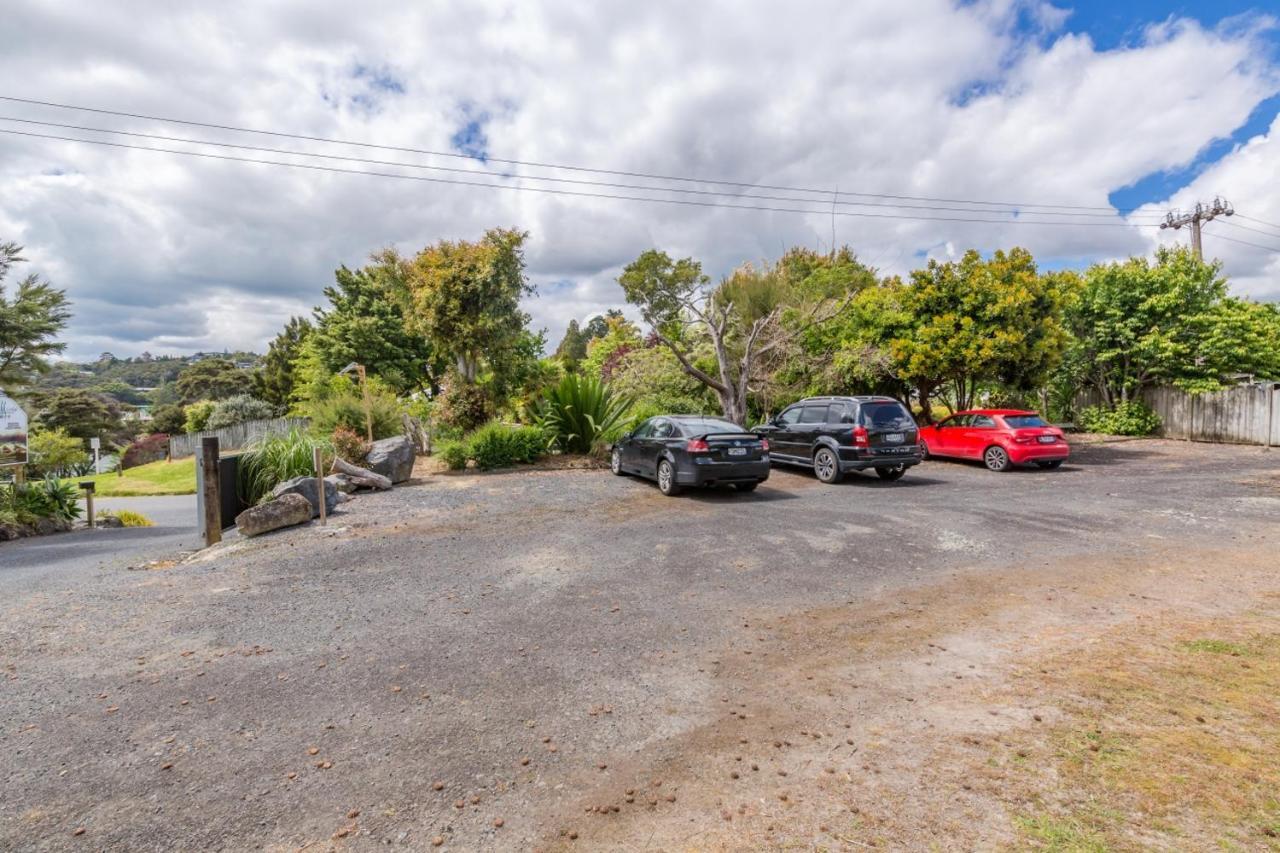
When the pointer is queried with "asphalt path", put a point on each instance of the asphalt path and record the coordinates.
(39, 559)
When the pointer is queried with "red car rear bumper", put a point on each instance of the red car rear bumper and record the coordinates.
(1022, 453)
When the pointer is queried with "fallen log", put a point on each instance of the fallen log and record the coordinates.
(361, 476)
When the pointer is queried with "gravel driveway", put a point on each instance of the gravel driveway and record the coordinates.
(468, 658)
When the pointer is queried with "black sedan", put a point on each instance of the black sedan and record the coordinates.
(692, 450)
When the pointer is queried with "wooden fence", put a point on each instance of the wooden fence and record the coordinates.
(232, 437)
(1245, 414)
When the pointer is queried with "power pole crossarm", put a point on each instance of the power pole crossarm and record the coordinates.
(1203, 213)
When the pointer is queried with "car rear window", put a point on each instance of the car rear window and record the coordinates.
(710, 425)
(1024, 421)
(887, 414)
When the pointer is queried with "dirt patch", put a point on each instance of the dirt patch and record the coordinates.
(1122, 704)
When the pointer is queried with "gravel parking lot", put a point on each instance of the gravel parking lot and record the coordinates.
(494, 661)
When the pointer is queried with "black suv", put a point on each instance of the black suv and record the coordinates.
(833, 435)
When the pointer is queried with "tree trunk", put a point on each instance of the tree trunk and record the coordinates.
(926, 406)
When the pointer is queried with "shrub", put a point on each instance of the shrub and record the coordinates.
(496, 445)
(53, 451)
(129, 518)
(149, 448)
(349, 444)
(463, 406)
(453, 454)
(580, 413)
(197, 415)
(272, 459)
(1130, 418)
(238, 409)
(345, 409)
(47, 498)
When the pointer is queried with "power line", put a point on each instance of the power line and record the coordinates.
(575, 181)
(1247, 228)
(1196, 218)
(1247, 243)
(540, 165)
(550, 191)
(1259, 221)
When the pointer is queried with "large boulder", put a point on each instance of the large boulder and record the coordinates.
(286, 511)
(392, 458)
(342, 482)
(306, 486)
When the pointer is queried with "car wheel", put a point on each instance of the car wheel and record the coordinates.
(1051, 463)
(667, 478)
(746, 487)
(891, 474)
(615, 462)
(996, 458)
(924, 450)
(826, 465)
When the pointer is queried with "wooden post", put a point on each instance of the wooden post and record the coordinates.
(209, 491)
(368, 406)
(317, 456)
(88, 502)
(19, 475)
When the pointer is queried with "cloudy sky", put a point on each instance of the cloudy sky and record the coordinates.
(1091, 119)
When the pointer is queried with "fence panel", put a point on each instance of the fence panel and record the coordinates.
(233, 437)
(1244, 414)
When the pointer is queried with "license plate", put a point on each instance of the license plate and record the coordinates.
(894, 438)
(737, 451)
(1047, 439)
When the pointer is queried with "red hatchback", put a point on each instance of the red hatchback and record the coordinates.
(1001, 438)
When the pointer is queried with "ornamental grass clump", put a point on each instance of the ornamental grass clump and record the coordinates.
(271, 459)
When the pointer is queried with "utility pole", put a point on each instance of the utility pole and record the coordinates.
(1203, 213)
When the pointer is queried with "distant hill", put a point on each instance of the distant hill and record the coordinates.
(131, 380)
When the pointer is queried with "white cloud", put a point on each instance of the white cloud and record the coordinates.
(167, 253)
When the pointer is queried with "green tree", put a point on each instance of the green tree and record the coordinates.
(1136, 323)
(273, 381)
(1239, 338)
(605, 351)
(742, 318)
(573, 346)
(78, 412)
(980, 321)
(364, 322)
(54, 451)
(30, 320)
(213, 379)
(465, 298)
(168, 419)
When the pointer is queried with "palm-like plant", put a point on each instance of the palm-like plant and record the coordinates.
(275, 457)
(580, 412)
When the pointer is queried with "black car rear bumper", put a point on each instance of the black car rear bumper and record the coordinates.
(705, 472)
(855, 459)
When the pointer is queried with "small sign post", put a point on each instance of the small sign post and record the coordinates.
(95, 444)
(88, 487)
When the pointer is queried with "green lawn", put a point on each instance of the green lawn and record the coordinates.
(156, 478)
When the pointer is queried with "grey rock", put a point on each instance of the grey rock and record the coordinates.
(306, 486)
(108, 521)
(342, 483)
(285, 511)
(392, 458)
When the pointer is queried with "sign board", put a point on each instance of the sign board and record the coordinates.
(13, 432)
(95, 443)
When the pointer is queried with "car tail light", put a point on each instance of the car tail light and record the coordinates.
(764, 445)
(696, 445)
(860, 438)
